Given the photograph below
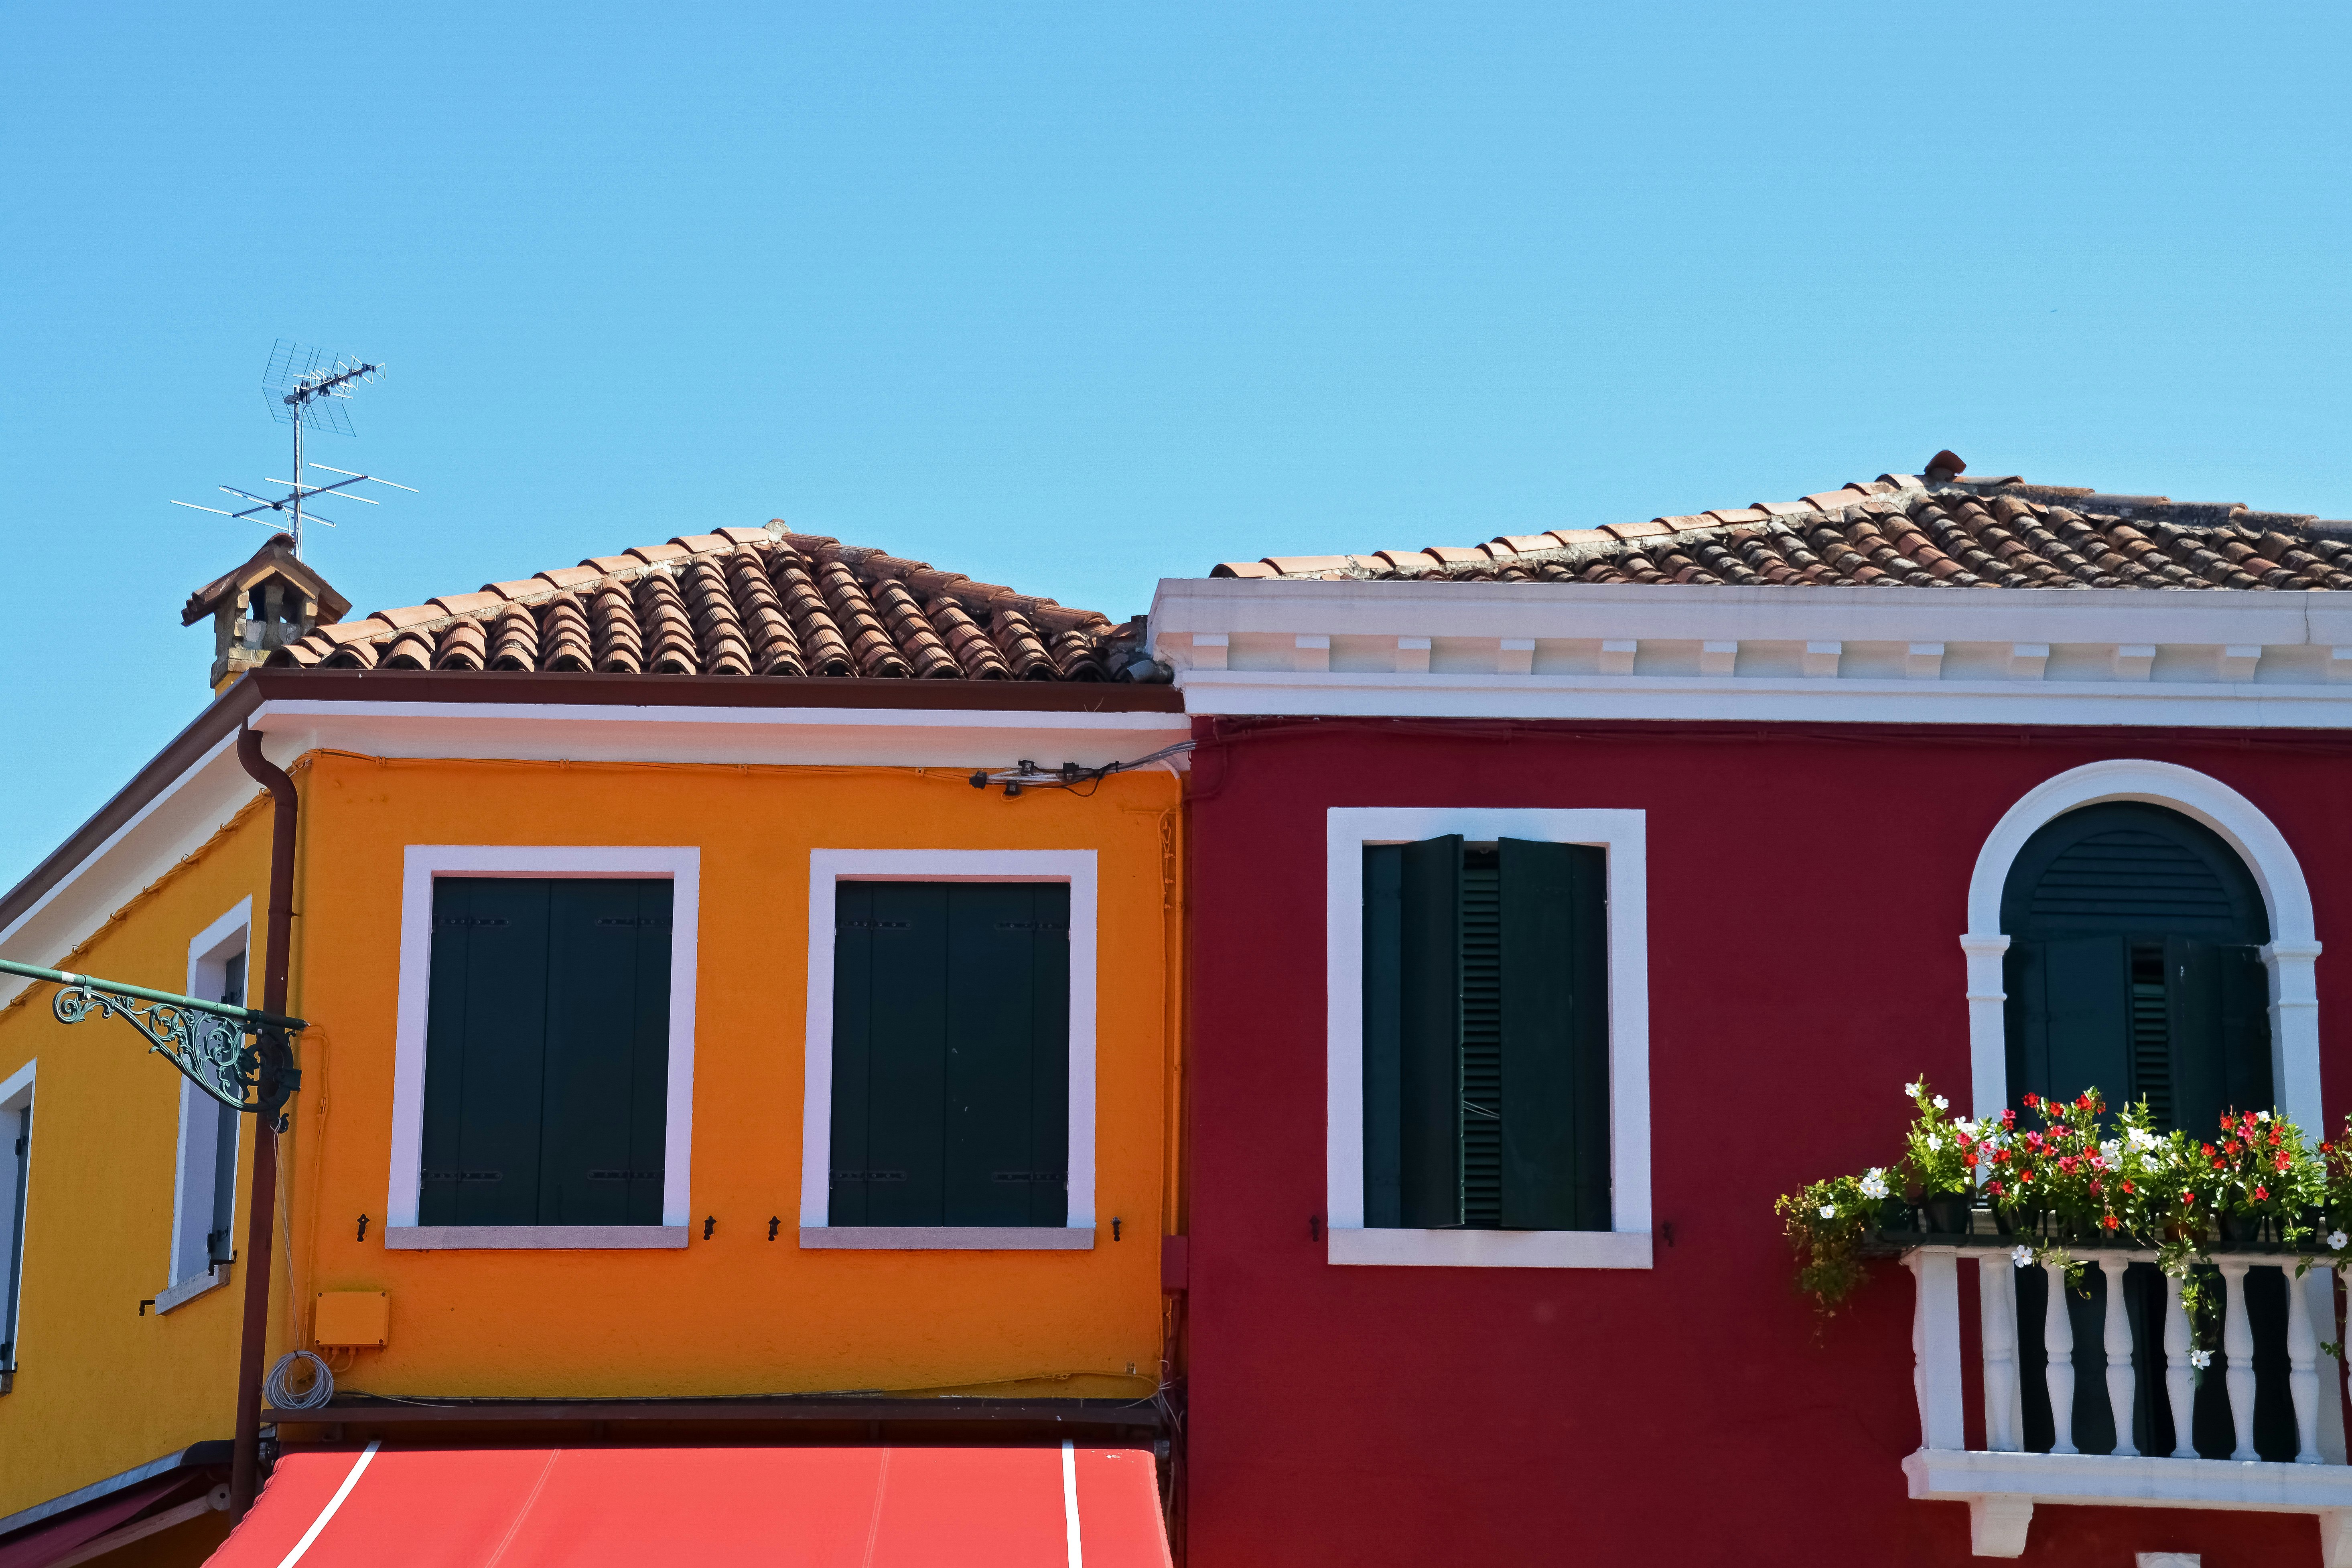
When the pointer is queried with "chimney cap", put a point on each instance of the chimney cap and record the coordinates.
(1947, 464)
(275, 558)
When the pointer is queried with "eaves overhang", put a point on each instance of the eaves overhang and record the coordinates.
(1574, 650)
(173, 803)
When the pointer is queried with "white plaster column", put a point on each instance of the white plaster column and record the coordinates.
(1988, 1024)
(2238, 1345)
(2179, 1379)
(2303, 1374)
(2122, 1389)
(2058, 1339)
(1997, 1316)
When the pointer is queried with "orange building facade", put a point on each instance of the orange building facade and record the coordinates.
(713, 1231)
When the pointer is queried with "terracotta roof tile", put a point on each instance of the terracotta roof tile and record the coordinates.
(746, 602)
(1944, 532)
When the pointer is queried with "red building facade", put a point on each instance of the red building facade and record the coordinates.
(1810, 797)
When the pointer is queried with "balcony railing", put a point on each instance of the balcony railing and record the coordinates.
(2091, 1395)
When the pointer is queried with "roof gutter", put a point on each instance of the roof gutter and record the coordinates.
(229, 712)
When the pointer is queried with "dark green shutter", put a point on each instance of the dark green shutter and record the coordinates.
(220, 1241)
(547, 1052)
(2220, 1012)
(1430, 1035)
(1007, 1052)
(1555, 1037)
(606, 1071)
(485, 1055)
(2087, 1006)
(951, 1054)
(13, 1304)
(1383, 981)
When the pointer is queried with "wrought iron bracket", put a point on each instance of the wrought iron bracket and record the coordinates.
(242, 1056)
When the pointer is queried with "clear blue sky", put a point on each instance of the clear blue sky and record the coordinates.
(1075, 298)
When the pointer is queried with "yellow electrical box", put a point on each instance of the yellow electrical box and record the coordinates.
(360, 1318)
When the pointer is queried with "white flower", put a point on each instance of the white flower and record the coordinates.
(1873, 1184)
(2336, 1239)
(1940, 1103)
(2111, 1149)
(2201, 1360)
(1911, 1090)
(1934, 1143)
(1829, 1211)
(1964, 1125)
(2022, 1257)
(2261, 1116)
(2141, 1138)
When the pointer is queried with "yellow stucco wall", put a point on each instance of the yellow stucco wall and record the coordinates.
(100, 1388)
(103, 1389)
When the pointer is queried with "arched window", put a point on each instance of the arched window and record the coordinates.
(2135, 964)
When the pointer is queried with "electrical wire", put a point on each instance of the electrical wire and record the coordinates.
(280, 1393)
(1027, 775)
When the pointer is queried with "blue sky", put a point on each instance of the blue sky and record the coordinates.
(1078, 297)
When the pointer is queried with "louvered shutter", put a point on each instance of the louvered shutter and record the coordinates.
(2220, 1018)
(890, 1051)
(605, 1077)
(1429, 1034)
(1384, 982)
(1554, 1037)
(2086, 1001)
(1006, 1052)
(23, 1133)
(485, 1054)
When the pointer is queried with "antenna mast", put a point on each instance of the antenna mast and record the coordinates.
(302, 386)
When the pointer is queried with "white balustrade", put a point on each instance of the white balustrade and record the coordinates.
(2058, 1339)
(2238, 1345)
(2179, 1377)
(2123, 1386)
(2002, 1481)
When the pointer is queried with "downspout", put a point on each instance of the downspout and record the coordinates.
(245, 1472)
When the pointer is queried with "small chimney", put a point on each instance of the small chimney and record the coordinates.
(271, 600)
(1944, 467)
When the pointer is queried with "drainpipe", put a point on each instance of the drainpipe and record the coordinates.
(244, 1473)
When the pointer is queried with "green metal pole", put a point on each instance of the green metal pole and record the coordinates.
(116, 988)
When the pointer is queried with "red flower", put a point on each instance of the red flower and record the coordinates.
(2282, 1161)
(2030, 1103)
(2066, 1164)
(2274, 1137)
(2189, 1197)
(2230, 1148)
(2261, 1193)
(1969, 1161)
(2008, 1119)
(2127, 1186)
(2000, 1156)
(1993, 1187)
(2327, 1148)
(2110, 1222)
(2096, 1186)
(2207, 1148)
(1963, 1138)
(2081, 1103)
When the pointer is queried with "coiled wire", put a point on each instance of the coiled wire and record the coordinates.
(281, 1394)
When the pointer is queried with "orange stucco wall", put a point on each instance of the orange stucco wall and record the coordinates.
(738, 1313)
(102, 1388)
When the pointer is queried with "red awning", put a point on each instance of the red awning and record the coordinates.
(796, 1507)
(41, 1544)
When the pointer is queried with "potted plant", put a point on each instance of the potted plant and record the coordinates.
(1827, 1224)
(1939, 1176)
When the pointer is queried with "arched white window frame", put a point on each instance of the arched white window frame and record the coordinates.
(2291, 955)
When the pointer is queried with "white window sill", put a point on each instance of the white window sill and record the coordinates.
(949, 1237)
(531, 1238)
(2000, 1488)
(1491, 1249)
(188, 1289)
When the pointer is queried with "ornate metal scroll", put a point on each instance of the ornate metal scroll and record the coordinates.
(242, 1056)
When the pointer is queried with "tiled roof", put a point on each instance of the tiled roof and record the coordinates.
(1899, 529)
(742, 600)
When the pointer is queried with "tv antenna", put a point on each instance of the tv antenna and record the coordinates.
(302, 385)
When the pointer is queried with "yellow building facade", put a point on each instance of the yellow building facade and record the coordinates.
(753, 803)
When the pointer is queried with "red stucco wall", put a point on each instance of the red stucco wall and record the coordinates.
(1807, 888)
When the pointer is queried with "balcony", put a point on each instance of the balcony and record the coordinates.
(2098, 1402)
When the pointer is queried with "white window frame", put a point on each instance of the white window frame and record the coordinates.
(829, 866)
(192, 1271)
(1626, 1244)
(681, 867)
(16, 1095)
